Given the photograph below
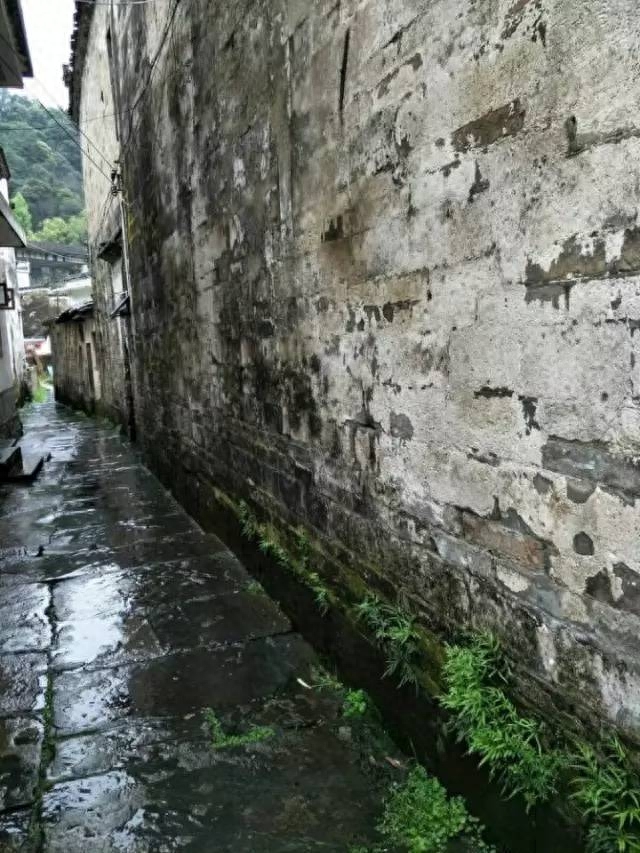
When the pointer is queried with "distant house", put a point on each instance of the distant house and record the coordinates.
(15, 64)
(42, 304)
(76, 377)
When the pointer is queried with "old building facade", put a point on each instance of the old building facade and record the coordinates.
(382, 265)
(76, 377)
(12, 360)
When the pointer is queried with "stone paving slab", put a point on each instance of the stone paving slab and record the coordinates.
(20, 743)
(298, 792)
(105, 640)
(222, 619)
(133, 744)
(22, 685)
(179, 684)
(24, 625)
(14, 832)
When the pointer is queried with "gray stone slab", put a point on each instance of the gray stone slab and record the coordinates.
(300, 791)
(189, 579)
(179, 684)
(22, 683)
(20, 744)
(184, 740)
(126, 531)
(222, 619)
(14, 833)
(154, 623)
(24, 625)
(106, 640)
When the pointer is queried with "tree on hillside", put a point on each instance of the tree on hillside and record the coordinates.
(58, 230)
(44, 159)
(77, 226)
(22, 212)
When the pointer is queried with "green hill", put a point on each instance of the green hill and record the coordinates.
(45, 162)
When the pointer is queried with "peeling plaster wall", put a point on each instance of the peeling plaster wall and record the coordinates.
(97, 120)
(385, 267)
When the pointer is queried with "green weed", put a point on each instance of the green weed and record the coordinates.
(248, 521)
(270, 546)
(254, 587)
(320, 591)
(510, 745)
(323, 680)
(607, 790)
(395, 633)
(299, 566)
(41, 393)
(420, 817)
(221, 740)
(304, 548)
(356, 704)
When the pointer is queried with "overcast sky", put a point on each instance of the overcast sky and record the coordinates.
(49, 24)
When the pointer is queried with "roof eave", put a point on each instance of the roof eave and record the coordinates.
(16, 19)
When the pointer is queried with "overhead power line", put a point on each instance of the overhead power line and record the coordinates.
(73, 138)
(75, 126)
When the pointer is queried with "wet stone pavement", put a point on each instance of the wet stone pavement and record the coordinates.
(121, 622)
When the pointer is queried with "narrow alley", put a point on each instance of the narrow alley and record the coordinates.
(121, 624)
(319, 426)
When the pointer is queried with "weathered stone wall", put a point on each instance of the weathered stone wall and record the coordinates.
(76, 376)
(386, 280)
(97, 117)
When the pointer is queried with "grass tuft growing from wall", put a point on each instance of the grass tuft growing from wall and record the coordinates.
(512, 746)
(529, 760)
(396, 634)
(607, 791)
(298, 564)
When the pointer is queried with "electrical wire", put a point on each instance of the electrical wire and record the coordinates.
(75, 126)
(72, 138)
